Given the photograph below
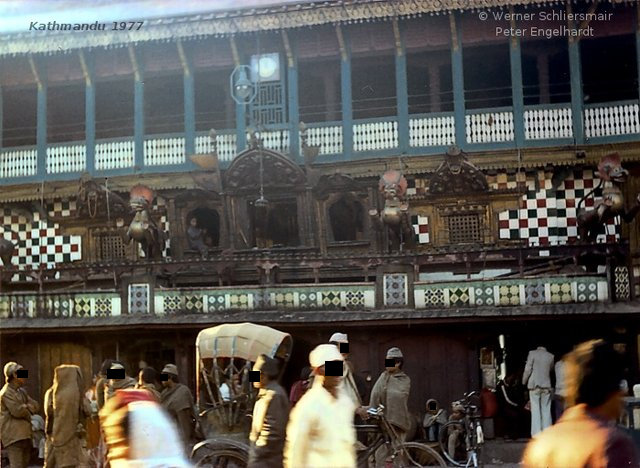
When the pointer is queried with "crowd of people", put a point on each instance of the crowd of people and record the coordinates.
(152, 421)
(119, 418)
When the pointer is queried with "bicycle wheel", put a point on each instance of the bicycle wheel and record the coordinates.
(452, 443)
(222, 458)
(415, 454)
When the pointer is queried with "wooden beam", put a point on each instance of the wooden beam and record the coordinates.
(36, 72)
(234, 51)
(287, 48)
(517, 93)
(85, 69)
(134, 63)
(341, 43)
(184, 61)
(585, 23)
(457, 73)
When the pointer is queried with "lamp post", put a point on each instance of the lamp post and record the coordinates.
(243, 90)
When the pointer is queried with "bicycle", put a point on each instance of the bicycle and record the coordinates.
(461, 440)
(403, 454)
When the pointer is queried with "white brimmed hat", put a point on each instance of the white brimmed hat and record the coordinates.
(323, 353)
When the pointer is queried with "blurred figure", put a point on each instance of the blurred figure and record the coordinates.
(300, 387)
(349, 381)
(561, 391)
(270, 415)
(511, 401)
(16, 409)
(392, 390)
(586, 434)
(147, 379)
(102, 382)
(537, 378)
(434, 418)
(320, 432)
(176, 398)
(139, 434)
(117, 384)
(66, 408)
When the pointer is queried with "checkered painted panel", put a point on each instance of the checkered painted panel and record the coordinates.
(416, 185)
(164, 226)
(421, 228)
(62, 208)
(548, 217)
(40, 242)
(504, 180)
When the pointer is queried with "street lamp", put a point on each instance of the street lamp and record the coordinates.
(243, 90)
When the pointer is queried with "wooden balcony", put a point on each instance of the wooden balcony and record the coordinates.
(485, 129)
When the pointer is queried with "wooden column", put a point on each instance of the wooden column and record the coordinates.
(138, 111)
(241, 109)
(89, 112)
(402, 96)
(542, 61)
(458, 80)
(1, 117)
(189, 104)
(433, 71)
(345, 87)
(575, 71)
(517, 95)
(293, 104)
(41, 120)
(637, 22)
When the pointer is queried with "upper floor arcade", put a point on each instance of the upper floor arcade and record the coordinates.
(403, 85)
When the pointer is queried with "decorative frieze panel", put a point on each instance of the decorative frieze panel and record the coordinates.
(326, 297)
(621, 283)
(88, 304)
(547, 215)
(395, 290)
(511, 293)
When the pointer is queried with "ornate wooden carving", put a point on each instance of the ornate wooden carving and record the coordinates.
(279, 172)
(457, 175)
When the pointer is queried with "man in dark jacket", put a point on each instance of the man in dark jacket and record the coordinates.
(270, 416)
(585, 435)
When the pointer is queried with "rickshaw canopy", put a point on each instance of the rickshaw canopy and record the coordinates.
(243, 340)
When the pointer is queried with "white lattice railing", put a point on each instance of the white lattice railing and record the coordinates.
(226, 145)
(376, 135)
(18, 163)
(489, 126)
(276, 140)
(432, 130)
(543, 123)
(611, 119)
(66, 158)
(328, 137)
(164, 151)
(114, 154)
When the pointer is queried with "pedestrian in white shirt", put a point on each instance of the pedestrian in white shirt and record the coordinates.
(320, 432)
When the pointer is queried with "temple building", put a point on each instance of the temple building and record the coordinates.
(402, 171)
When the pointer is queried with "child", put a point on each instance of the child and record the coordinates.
(433, 420)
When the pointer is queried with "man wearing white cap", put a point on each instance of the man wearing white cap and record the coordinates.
(320, 432)
(392, 390)
(119, 383)
(16, 408)
(348, 381)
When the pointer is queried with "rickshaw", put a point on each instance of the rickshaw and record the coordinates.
(225, 397)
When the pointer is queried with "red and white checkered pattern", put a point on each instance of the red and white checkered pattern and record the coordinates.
(547, 216)
(39, 242)
(421, 228)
